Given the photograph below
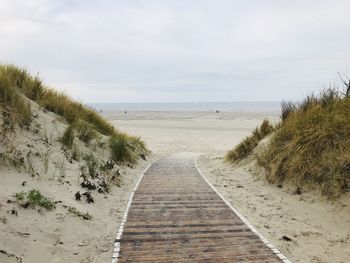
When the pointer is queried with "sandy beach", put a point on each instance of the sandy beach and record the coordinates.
(202, 132)
(317, 230)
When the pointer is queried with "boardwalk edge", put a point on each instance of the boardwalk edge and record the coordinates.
(262, 238)
(116, 249)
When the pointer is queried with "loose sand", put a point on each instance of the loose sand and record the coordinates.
(319, 230)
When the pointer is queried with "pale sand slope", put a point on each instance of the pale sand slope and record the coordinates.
(320, 230)
(38, 235)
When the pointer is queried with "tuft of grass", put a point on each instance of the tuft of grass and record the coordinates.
(287, 108)
(92, 164)
(243, 149)
(75, 153)
(12, 156)
(123, 151)
(311, 147)
(68, 137)
(13, 104)
(30, 86)
(20, 196)
(85, 131)
(45, 157)
(35, 197)
(62, 168)
(81, 129)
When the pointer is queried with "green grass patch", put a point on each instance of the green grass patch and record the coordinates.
(35, 197)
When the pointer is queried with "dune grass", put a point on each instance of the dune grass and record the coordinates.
(243, 149)
(68, 136)
(14, 105)
(84, 122)
(16, 82)
(80, 129)
(92, 164)
(311, 149)
(85, 131)
(73, 111)
(126, 149)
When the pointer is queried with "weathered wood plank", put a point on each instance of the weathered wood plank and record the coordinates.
(175, 216)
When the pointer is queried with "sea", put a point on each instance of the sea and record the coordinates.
(237, 106)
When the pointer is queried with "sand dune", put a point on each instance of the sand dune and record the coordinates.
(34, 234)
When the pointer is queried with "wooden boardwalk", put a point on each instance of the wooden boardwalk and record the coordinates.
(176, 216)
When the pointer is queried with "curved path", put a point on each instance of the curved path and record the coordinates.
(177, 216)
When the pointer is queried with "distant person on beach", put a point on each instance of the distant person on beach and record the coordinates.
(124, 112)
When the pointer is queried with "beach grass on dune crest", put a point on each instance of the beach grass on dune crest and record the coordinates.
(310, 147)
(16, 82)
(17, 86)
(14, 105)
(243, 149)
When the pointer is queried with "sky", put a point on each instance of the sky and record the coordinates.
(179, 50)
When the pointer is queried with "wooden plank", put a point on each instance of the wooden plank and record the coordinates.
(175, 216)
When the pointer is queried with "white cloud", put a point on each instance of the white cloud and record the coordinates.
(128, 49)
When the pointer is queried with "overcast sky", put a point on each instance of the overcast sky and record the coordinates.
(178, 50)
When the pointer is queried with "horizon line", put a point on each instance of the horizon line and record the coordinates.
(184, 102)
